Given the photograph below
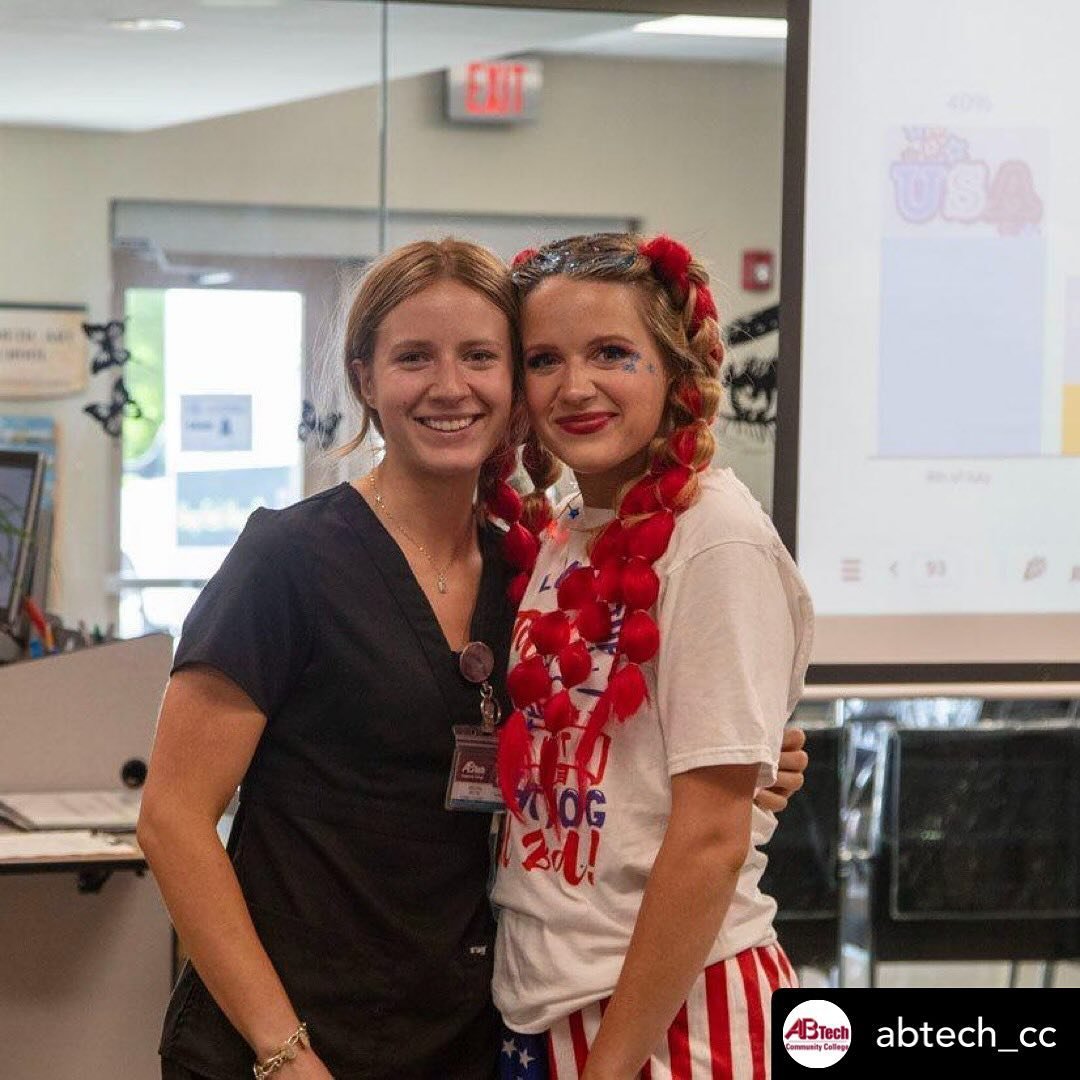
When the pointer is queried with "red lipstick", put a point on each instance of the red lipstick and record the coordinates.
(584, 423)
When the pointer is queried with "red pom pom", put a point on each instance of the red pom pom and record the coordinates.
(648, 539)
(521, 547)
(523, 256)
(550, 632)
(536, 513)
(515, 591)
(559, 711)
(671, 484)
(594, 621)
(505, 503)
(671, 260)
(640, 585)
(704, 307)
(640, 499)
(609, 544)
(609, 581)
(529, 682)
(575, 664)
(628, 691)
(689, 396)
(640, 637)
(684, 443)
(577, 588)
(512, 760)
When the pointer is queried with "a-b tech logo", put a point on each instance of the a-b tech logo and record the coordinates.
(817, 1033)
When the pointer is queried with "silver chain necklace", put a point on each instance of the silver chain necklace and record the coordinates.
(440, 574)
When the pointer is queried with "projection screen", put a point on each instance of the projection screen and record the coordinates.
(928, 435)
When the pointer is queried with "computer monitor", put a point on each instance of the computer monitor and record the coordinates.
(22, 474)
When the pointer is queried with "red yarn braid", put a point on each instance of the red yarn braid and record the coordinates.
(621, 574)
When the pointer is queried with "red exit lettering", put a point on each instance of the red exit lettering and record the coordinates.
(495, 89)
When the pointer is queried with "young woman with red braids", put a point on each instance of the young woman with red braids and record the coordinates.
(660, 647)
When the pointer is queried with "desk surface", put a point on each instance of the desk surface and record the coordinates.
(76, 850)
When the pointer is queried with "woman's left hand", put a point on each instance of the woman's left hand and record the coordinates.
(791, 770)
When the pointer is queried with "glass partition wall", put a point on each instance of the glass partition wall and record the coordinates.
(215, 180)
(269, 153)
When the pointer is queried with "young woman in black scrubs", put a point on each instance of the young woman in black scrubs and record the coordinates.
(346, 930)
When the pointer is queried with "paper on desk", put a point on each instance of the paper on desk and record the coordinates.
(66, 844)
(115, 811)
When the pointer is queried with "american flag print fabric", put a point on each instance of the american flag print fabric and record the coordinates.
(523, 1057)
(722, 1031)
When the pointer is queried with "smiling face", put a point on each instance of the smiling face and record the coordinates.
(595, 381)
(440, 379)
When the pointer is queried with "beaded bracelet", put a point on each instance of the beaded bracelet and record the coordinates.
(284, 1054)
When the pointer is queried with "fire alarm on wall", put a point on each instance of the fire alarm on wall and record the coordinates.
(758, 268)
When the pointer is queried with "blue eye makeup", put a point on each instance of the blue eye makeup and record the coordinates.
(612, 356)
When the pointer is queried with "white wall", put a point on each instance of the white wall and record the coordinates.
(694, 149)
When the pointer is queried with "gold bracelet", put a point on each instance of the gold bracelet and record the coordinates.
(284, 1054)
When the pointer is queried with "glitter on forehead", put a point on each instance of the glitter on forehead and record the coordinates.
(562, 260)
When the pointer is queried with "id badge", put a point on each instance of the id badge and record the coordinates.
(473, 784)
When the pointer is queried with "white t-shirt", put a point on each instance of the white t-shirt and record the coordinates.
(735, 632)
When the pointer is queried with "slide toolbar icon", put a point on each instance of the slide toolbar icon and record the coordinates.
(1035, 568)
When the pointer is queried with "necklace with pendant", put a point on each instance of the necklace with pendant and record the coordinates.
(440, 572)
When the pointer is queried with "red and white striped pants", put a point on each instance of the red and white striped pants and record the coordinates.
(720, 1033)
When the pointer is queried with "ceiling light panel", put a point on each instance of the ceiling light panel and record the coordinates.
(715, 26)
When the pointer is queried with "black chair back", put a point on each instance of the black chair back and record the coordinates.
(981, 844)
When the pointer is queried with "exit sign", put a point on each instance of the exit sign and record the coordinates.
(493, 91)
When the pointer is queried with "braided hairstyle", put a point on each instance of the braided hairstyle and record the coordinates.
(680, 313)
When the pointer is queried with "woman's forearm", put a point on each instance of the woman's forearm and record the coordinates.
(208, 910)
(688, 894)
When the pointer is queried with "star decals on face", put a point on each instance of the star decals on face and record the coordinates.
(575, 511)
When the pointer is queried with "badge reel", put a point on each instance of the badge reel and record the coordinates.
(473, 784)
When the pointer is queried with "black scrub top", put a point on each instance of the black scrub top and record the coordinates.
(369, 896)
